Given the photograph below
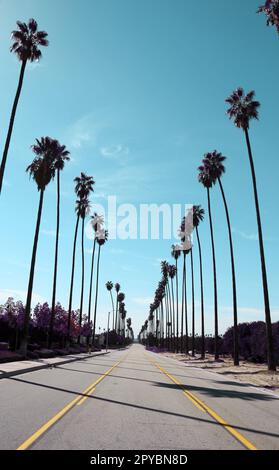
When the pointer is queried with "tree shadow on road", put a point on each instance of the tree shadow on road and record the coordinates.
(221, 393)
(148, 408)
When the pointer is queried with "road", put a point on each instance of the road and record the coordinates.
(133, 399)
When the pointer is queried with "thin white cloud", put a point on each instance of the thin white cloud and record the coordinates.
(49, 233)
(253, 236)
(143, 300)
(19, 295)
(246, 236)
(83, 132)
(115, 151)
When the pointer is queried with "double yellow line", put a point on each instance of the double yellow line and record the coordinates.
(79, 400)
(206, 409)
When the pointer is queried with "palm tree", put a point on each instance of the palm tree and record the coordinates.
(172, 275)
(60, 156)
(206, 180)
(97, 222)
(242, 110)
(271, 10)
(109, 286)
(83, 187)
(185, 233)
(42, 171)
(119, 300)
(26, 42)
(101, 236)
(83, 209)
(175, 253)
(198, 216)
(117, 288)
(213, 162)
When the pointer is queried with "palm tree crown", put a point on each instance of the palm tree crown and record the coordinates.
(243, 108)
(198, 215)
(172, 271)
(101, 237)
(82, 207)
(117, 287)
(271, 9)
(213, 164)
(60, 154)
(109, 286)
(42, 169)
(84, 185)
(26, 41)
(175, 251)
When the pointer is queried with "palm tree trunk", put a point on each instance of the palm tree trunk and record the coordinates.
(96, 296)
(177, 313)
(82, 276)
(193, 304)
(170, 313)
(186, 308)
(55, 263)
(270, 349)
(182, 308)
(112, 303)
(24, 340)
(91, 280)
(173, 314)
(72, 279)
(202, 298)
(235, 327)
(215, 278)
(11, 125)
(116, 313)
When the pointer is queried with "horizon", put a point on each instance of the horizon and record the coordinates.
(138, 108)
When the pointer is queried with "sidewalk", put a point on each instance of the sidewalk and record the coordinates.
(11, 369)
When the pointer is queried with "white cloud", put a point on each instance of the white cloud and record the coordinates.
(246, 236)
(115, 151)
(83, 132)
(49, 233)
(143, 300)
(19, 295)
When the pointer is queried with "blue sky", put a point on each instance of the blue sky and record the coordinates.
(136, 91)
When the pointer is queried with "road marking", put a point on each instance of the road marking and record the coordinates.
(205, 408)
(89, 393)
(34, 437)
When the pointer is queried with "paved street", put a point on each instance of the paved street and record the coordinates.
(132, 399)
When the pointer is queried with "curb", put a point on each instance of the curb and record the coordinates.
(6, 375)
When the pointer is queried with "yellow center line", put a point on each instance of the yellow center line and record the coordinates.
(77, 401)
(205, 408)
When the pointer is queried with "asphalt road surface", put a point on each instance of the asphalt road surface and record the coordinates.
(133, 399)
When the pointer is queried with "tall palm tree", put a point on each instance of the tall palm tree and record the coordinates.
(198, 216)
(117, 288)
(42, 171)
(84, 208)
(172, 275)
(109, 286)
(97, 222)
(206, 180)
(214, 163)
(60, 156)
(101, 236)
(175, 253)
(83, 187)
(185, 234)
(242, 110)
(120, 299)
(26, 41)
(271, 10)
